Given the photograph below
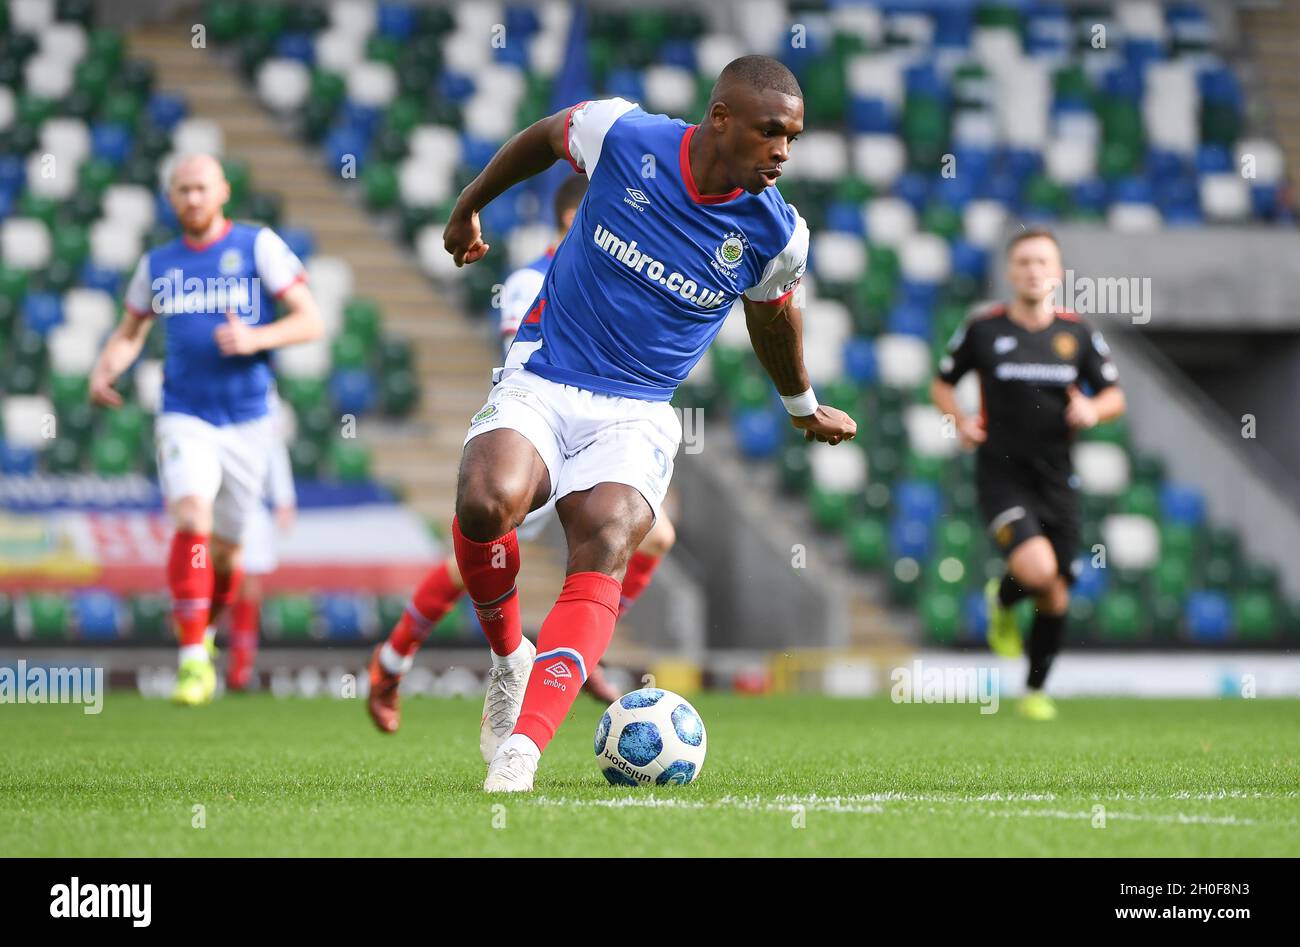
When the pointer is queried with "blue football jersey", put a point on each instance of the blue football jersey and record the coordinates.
(648, 273)
(192, 287)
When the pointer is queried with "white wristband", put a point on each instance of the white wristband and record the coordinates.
(800, 405)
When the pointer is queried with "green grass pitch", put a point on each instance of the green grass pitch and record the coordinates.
(784, 776)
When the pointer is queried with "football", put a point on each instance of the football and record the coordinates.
(650, 736)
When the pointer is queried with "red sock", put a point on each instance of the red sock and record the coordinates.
(433, 599)
(189, 575)
(573, 638)
(640, 569)
(244, 616)
(488, 571)
(225, 586)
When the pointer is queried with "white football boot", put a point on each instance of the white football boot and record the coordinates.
(505, 695)
(511, 770)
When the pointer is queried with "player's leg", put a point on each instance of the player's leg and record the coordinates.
(245, 614)
(610, 492)
(437, 593)
(227, 575)
(1052, 604)
(603, 525)
(189, 473)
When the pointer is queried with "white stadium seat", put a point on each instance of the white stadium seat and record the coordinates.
(488, 118)
(669, 90)
(995, 46)
(976, 128)
(714, 50)
(903, 360)
(115, 246)
(983, 222)
(25, 243)
(304, 360)
(927, 432)
(1225, 196)
(197, 136)
(283, 84)
(925, 258)
(546, 54)
(876, 76)
(916, 29)
(1141, 19)
(48, 76)
(765, 26)
(357, 17)
(338, 50)
(527, 242)
(1069, 162)
(129, 205)
(827, 319)
(66, 137)
(821, 156)
(330, 279)
(91, 311)
(52, 174)
(433, 257)
(148, 384)
(1171, 107)
(1132, 541)
(31, 16)
(839, 257)
(838, 468)
(889, 221)
(466, 50)
(1134, 217)
(28, 420)
(863, 22)
(1103, 468)
(823, 357)
(1269, 164)
(422, 183)
(63, 40)
(72, 350)
(879, 159)
(1082, 128)
(733, 333)
(371, 83)
(436, 143)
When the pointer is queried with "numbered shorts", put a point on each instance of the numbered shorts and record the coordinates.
(226, 465)
(586, 438)
(260, 556)
(1018, 504)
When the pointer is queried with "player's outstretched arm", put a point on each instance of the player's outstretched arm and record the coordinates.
(1084, 412)
(301, 322)
(528, 153)
(776, 332)
(121, 349)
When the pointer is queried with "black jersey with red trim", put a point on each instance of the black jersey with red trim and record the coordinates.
(1025, 377)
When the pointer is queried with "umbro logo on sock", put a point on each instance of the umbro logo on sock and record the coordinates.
(558, 669)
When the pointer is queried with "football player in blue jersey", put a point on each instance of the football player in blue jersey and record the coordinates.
(216, 289)
(679, 221)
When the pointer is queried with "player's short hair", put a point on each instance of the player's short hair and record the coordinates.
(759, 73)
(1031, 233)
(568, 196)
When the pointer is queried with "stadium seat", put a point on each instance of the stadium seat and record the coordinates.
(27, 421)
(49, 616)
(283, 84)
(25, 243)
(96, 614)
(1209, 617)
(1132, 541)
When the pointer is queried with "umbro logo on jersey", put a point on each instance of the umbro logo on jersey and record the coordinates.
(1004, 344)
(635, 199)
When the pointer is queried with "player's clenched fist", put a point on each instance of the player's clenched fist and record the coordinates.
(463, 239)
(1080, 412)
(827, 424)
(236, 337)
(970, 431)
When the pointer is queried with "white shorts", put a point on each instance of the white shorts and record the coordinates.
(224, 465)
(260, 556)
(586, 438)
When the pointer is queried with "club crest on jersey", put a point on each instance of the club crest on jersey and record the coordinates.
(484, 414)
(232, 261)
(731, 252)
(1065, 345)
(1004, 344)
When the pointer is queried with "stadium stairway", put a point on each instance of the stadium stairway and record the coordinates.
(454, 360)
(1273, 36)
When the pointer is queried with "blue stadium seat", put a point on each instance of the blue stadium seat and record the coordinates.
(398, 21)
(342, 142)
(1091, 582)
(1182, 504)
(165, 110)
(1208, 616)
(42, 312)
(353, 391)
(910, 319)
(913, 187)
(625, 83)
(97, 614)
(910, 536)
(342, 616)
(99, 277)
(845, 217)
(363, 119)
(13, 174)
(758, 432)
(872, 116)
(860, 362)
(968, 259)
(16, 460)
(454, 86)
(299, 241)
(297, 46)
(974, 616)
(678, 52)
(110, 141)
(918, 499)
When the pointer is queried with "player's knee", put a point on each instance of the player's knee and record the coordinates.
(1055, 600)
(486, 513)
(1037, 572)
(192, 515)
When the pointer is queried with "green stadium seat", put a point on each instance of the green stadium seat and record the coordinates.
(830, 508)
(1171, 576)
(289, 617)
(225, 19)
(349, 351)
(1119, 617)
(305, 458)
(1083, 616)
(390, 608)
(129, 423)
(1141, 499)
(150, 617)
(941, 615)
(400, 393)
(1257, 617)
(795, 475)
(67, 390)
(349, 460)
(64, 456)
(8, 626)
(49, 613)
(111, 456)
(904, 581)
(1166, 616)
(956, 538)
(868, 541)
(379, 183)
(1179, 541)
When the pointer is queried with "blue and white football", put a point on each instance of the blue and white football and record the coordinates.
(650, 737)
